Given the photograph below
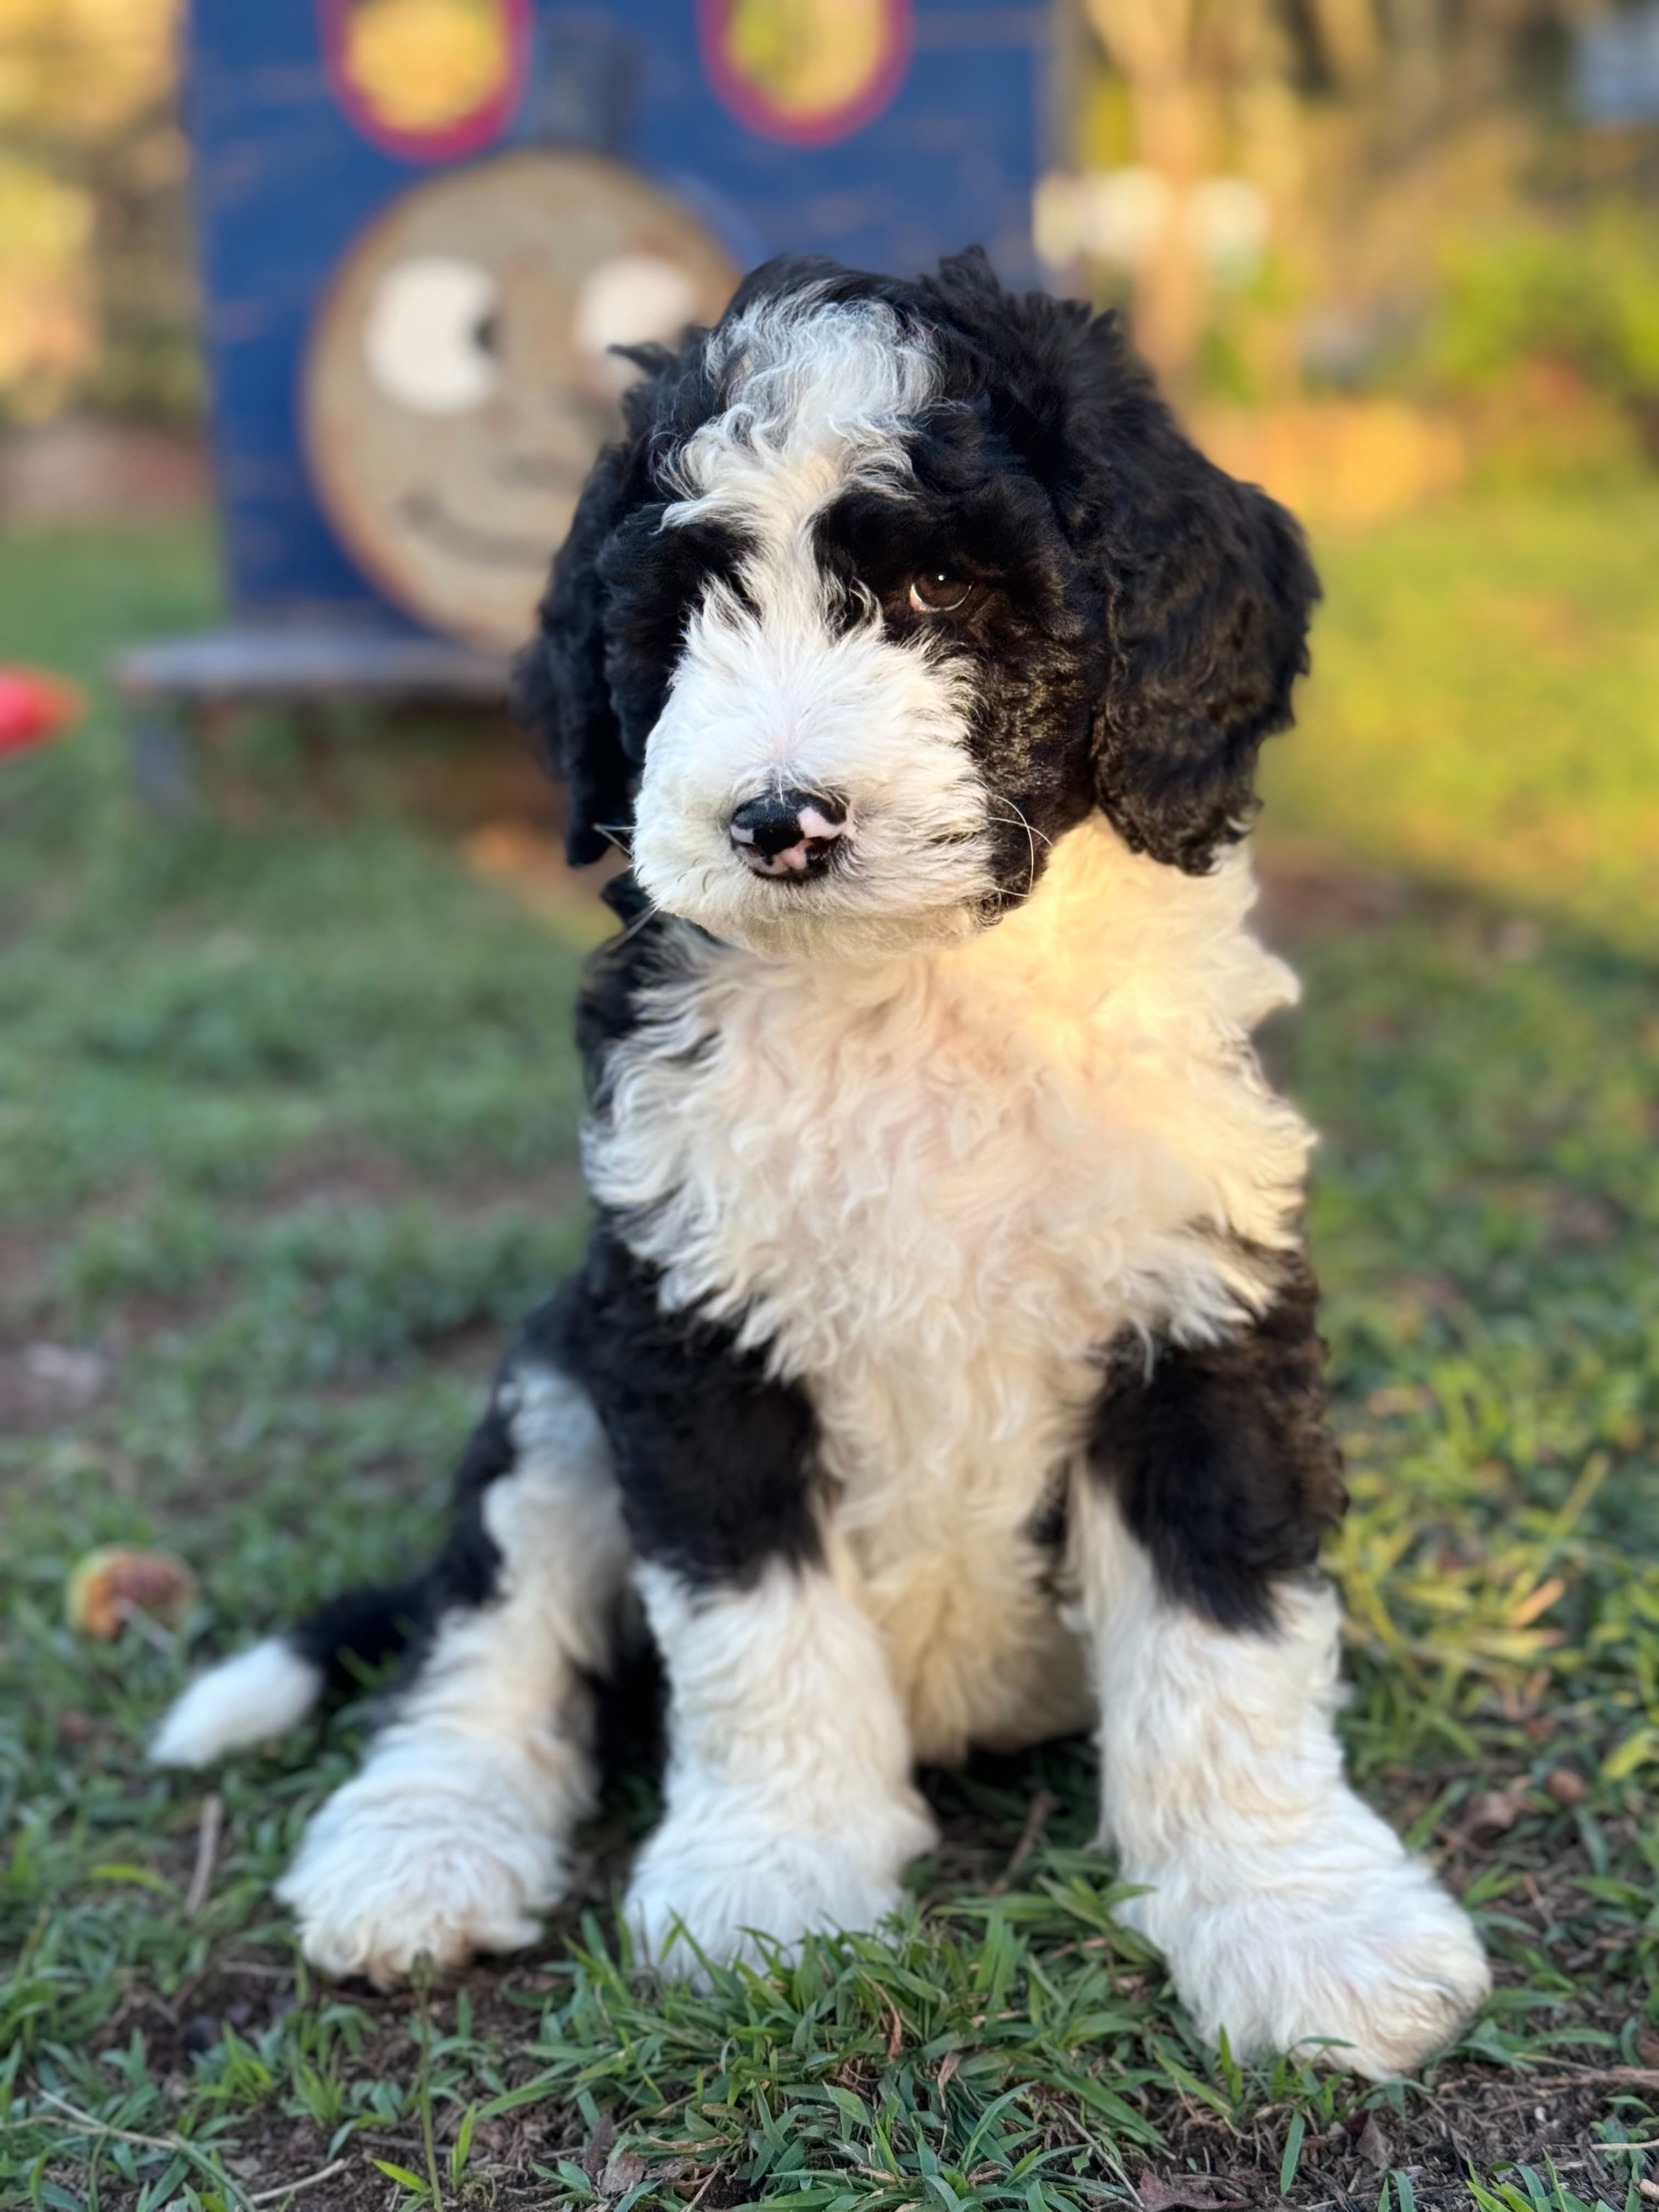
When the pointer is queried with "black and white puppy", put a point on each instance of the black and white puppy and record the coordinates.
(943, 1369)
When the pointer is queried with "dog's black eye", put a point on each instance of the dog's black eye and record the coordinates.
(937, 591)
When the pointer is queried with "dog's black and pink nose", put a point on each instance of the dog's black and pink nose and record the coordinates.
(788, 833)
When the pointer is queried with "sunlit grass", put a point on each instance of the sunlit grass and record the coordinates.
(1485, 703)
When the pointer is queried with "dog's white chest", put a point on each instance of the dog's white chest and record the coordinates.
(934, 1191)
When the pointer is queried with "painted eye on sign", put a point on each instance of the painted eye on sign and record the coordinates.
(807, 72)
(427, 80)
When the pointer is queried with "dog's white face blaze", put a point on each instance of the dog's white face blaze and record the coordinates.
(771, 692)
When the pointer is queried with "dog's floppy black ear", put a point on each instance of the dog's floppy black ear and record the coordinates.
(559, 694)
(1209, 590)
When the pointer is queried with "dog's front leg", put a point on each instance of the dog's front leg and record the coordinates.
(455, 1836)
(790, 1806)
(1288, 1912)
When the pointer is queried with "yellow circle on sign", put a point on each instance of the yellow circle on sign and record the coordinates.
(808, 57)
(418, 65)
(806, 71)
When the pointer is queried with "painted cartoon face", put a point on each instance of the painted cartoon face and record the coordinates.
(458, 383)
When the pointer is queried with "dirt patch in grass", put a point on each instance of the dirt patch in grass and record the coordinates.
(354, 1175)
(1308, 890)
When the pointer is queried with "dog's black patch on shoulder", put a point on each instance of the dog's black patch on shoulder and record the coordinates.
(1223, 1459)
(715, 1458)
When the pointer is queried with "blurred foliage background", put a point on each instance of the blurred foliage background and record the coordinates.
(1396, 259)
(1437, 220)
(1428, 223)
(96, 301)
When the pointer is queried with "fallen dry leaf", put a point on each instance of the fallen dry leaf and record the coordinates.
(1493, 1813)
(597, 2149)
(624, 2170)
(108, 1587)
(1374, 2146)
(1567, 1786)
(1186, 2192)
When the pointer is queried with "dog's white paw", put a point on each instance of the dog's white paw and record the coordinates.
(709, 1887)
(1383, 1965)
(446, 1856)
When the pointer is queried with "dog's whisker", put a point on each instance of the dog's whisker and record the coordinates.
(633, 928)
(1016, 813)
(1017, 816)
(1019, 820)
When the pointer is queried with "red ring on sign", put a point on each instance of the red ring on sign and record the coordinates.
(750, 103)
(468, 134)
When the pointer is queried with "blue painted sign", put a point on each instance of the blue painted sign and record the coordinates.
(912, 132)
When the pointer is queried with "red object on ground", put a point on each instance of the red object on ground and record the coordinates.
(33, 707)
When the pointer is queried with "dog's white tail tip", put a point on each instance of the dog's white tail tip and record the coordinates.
(258, 1694)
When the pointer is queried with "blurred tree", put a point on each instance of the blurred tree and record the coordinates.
(1200, 72)
(95, 292)
(1372, 128)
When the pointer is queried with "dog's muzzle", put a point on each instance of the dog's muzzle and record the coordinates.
(788, 833)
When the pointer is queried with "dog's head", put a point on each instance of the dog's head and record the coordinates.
(890, 584)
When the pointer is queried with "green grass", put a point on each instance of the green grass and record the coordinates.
(1482, 708)
(286, 1120)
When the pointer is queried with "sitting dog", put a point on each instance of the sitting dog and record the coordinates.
(943, 1369)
